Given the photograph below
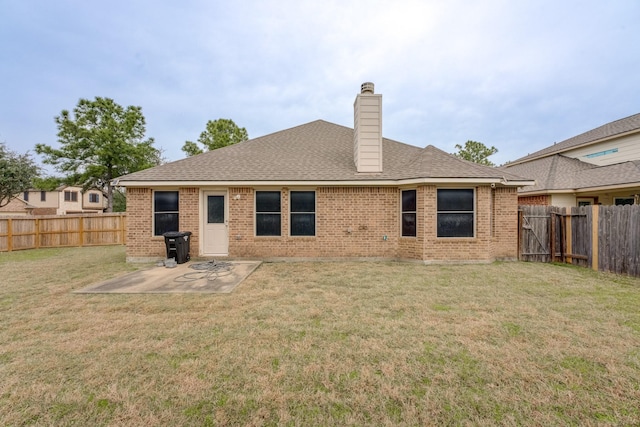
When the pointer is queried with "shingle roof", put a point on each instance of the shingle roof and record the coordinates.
(559, 172)
(617, 127)
(314, 152)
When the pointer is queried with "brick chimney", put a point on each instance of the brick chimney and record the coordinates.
(367, 135)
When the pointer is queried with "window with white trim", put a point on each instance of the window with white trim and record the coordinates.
(409, 216)
(166, 214)
(456, 212)
(268, 213)
(303, 213)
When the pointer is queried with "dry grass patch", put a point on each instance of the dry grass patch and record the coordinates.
(319, 344)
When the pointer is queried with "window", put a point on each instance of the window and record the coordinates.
(43, 196)
(94, 198)
(409, 213)
(303, 213)
(268, 216)
(624, 201)
(70, 196)
(26, 196)
(455, 212)
(165, 212)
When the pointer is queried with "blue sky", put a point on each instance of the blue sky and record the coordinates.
(518, 75)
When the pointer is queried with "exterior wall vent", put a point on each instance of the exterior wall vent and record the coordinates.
(366, 87)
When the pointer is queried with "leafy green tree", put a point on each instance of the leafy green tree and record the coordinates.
(16, 173)
(217, 134)
(100, 141)
(476, 152)
(119, 200)
(48, 183)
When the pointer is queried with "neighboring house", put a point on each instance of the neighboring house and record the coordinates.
(601, 166)
(322, 190)
(65, 200)
(17, 207)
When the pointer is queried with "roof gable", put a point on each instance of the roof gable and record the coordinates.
(618, 127)
(559, 172)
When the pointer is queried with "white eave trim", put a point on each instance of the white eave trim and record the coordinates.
(354, 183)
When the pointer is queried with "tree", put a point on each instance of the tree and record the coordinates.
(476, 152)
(217, 134)
(48, 183)
(119, 200)
(16, 173)
(100, 141)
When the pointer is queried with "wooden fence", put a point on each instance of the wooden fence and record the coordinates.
(32, 232)
(605, 238)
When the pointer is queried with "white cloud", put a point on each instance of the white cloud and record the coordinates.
(516, 75)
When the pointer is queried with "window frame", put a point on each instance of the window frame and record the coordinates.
(25, 196)
(472, 212)
(616, 199)
(95, 196)
(154, 212)
(73, 196)
(414, 212)
(314, 213)
(43, 196)
(259, 213)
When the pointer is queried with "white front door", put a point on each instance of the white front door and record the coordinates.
(216, 229)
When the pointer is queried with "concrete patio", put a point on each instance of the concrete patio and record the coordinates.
(206, 277)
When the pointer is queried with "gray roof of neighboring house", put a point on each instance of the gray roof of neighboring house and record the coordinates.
(617, 127)
(559, 172)
(314, 152)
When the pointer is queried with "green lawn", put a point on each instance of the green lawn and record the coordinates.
(319, 344)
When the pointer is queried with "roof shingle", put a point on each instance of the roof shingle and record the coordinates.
(314, 152)
(617, 127)
(559, 172)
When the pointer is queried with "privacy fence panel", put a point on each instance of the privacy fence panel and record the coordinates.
(31, 232)
(619, 231)
(581, 225)
(605, 238)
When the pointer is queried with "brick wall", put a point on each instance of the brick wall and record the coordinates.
(140, 243)
(350, 222)
(505, 227)
(477, 248)
(189, 216)
(544, 200)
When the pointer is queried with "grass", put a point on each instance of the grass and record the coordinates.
(319, 344)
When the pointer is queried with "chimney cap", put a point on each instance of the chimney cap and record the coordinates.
(366, 87)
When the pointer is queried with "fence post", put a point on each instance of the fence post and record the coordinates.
(552, 234)
(9, 235)
(520, 232)
(569, 243)
(123, 228)
(81, 231)
(595, 209)
(36, 225)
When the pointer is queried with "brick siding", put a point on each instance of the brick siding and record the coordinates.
(505, 224)
(351, 222)
(543, 200)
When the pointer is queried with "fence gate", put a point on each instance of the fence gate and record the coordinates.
(535, 226)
